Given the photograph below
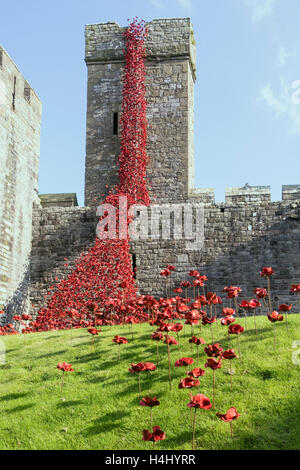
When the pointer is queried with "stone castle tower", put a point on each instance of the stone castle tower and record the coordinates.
(170, 77)
(241, 235)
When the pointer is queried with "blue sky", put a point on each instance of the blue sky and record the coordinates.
(247, 113)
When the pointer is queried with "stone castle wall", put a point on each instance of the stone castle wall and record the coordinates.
(240, 237)
(20, 115)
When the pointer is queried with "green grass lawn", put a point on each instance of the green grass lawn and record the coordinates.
(99, 405)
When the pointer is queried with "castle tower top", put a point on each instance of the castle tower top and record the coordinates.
(167, 38)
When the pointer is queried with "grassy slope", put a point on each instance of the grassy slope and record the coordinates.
(99, 406)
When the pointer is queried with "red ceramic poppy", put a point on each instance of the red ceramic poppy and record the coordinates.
(229, 416)
(213, 350)
(213, 364)
(197, 372)
(156, 435)
(188, 382)
(184, 361)
(148, 401)
(235, 329)
(267, 272)
(229, 354)
(199, 401)
(274, 317)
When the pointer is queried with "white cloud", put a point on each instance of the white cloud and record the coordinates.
(185, 4)
(260, 9)
(282, 104)
(284, 55)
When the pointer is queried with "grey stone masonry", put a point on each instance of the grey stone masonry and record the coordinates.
(170, 75)
(20, 116)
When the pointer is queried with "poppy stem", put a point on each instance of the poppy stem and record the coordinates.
(139, 376)
(62, 380)
(269, 293)
(211, 331)
(286, 321)
(231, 431)
(169, 359)
(238, 342)
(194, 428)
(157, 355)
(230, 374)
(119, 352)
(214, 386)
(150, 417)
(236, 307)
(197, 353)
(274, 336)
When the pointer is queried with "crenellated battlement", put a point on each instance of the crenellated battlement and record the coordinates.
(246, 194)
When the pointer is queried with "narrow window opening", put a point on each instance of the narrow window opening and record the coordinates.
(115, 123)
(222, 209)
(134, 266)
(27, 91)
(14, 94)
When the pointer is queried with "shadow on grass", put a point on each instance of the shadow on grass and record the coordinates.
(19, 408)
(66, 404)
(106, 423)
(55, 353)
(13, 396)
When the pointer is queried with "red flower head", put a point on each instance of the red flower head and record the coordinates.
(178, 290)
(185, 284)
(170, 267)
(284, 308)
(227, 321)
(213, 364)
(229, 416)
(197, 372)
(149, 366)
(275, 316)
(170, 340)
(196, 340)
(235, 329)
(228, 312)
(188, 382)
(184, 361)
(208, 321)
(194, 273)
(199, 401)
(213, 350)
(295, 288)
(157, 336)
(165, 272)
(136, 368)
(93, 331)
(229, 354)
(232, 291)
(177, 327)
(148, 401)
(260, 293)
(156, 435)
(120, 339)
(267, 272)
(65, 367)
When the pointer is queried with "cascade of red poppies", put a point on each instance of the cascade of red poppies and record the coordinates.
(105, 271)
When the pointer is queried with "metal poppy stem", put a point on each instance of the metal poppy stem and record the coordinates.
(150, 417)
(230, 374)
(198, 353)
(169, 359)
(269, 293)
(231, 431)
(236, 307)
(139, 376)
(274, 336)
(286, 321)
(157, 355)
(214, 386)
(119, 351)
(194, 428)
